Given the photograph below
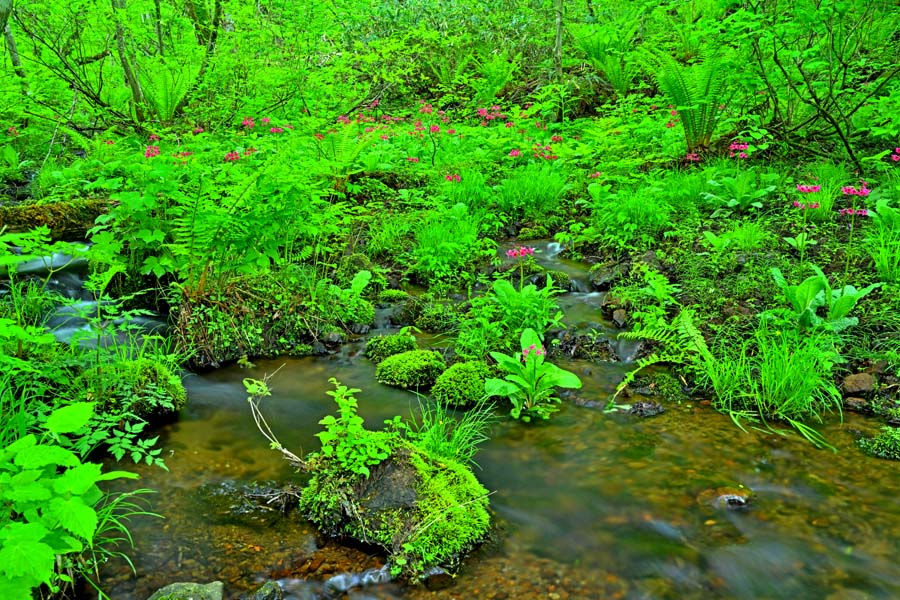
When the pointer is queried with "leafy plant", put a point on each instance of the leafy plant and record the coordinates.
(346, 440)
(530, 381)
(815, 292)
(883, 241)
(741, 192)
(443, 435)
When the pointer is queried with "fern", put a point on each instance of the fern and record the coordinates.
(696, 90)
(680, 340)
(164, 87)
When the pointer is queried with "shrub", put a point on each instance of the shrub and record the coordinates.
(415, 368)
(884, 445)
(143, 387)
(383, 346)
(462, 384)
(437, 317)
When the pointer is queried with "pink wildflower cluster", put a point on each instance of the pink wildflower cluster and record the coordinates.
(232, 157)
(520, 252)
(412, 159)
(595, 175)
(248, 123)
(249, 151)
(692, 157)
(183, 154)
(108, 142)
(849, 212)
(151, 151)
(740, 148)
(344, 120)
(895, 155)
(489, 114)
(545, 152)
(435, 129)
(805, 206)
(426, 108)
(453, 177)
(265, 120)
(515, 152)
(849, 190)
(154, 137)
(532, 348)
(276, 130)
(808, 189)
(198, 130)
(13, 131)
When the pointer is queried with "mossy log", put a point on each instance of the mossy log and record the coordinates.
(68, 220)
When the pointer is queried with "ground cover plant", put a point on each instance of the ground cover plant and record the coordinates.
(269, 178)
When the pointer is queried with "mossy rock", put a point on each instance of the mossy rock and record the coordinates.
(67, 220)
(537, 232)
(144, 387)
(462, 384)
(413, 369)
(383, 346)
(561, 280)
(424, 512)
(884, 445)
(190, 591)
(437, 317)
(390, 296)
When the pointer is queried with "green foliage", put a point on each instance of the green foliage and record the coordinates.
(530, 381)
(411, 369)
(143, 387)
(744, 191)
(815, 293)
(532, 193)
(697, 91)
(444, 436)
(629, 219)
(447, 244)
(380, 347)
(884, 445)
(351, 446)
(883, 241)
(461, 385)
(54, 516)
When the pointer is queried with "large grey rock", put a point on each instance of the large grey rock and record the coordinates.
(190, 591)
(269, 591)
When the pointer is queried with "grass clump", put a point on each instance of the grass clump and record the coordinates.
(884, 445)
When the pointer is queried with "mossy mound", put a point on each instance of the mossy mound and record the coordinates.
(389, 296)
(537, 232)
(68, 220)
(383, 346)
(416, 368)
(438, 317)
(462, 384)
(424, 512)
(884, 445)
(144, 387)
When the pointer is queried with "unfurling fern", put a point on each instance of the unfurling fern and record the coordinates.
(696, 90)
(680, 340)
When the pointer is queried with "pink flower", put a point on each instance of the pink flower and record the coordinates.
(232, 157)
(509, 124)
(151, 151)
(276, 130)
(197, 130)
(515, 152)
(895, 157)
(453, 177)
(673, 112)
(482, 112)
(451, 131)
(319, 136)
(808, 189)
(512, 253)
(374, 103)
(595, 175)
(412, 159)
(863, 212)
(154, 137)
(265, 120)
(344, 119)
(249, 151)
(435, 129)
(108, 142)
(556, 138)
(15, 132)
(426, 109)
(248, 123)
(653, 107)
(670, 124)
(813, 205)
(692, 157)
(369, 129)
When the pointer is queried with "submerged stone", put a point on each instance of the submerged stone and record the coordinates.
(269, 591)
(190, 591)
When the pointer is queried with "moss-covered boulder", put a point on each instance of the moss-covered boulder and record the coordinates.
(143, 386)
(416, 368)
(391, 296)
(380, 347)
(884, 445)
(190, 591)
(462, 384)
(536, 232)
(424, 512)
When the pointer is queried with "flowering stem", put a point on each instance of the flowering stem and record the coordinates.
(433, 146)
(849, 246)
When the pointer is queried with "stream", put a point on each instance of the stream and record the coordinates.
(587, 505)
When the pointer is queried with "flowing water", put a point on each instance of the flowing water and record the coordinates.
(587, 505)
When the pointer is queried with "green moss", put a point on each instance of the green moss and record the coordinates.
(462, 384)
(416, 368)
(383, 346)
(561, 280)
(144, 387)
(392, 296)
(538, 232)
(884, 445)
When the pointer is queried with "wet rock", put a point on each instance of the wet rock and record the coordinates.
(859, 405)
(582, 345)
(359, 328)
(858, 383)
(584, 402)
(333, 339)
(620, 317)
(319, 349)
(437, 578)
(604, 275)
(646, 408)
(726, 498)
(340, 584)
(650, 259)
(190, 591)
(269, 591)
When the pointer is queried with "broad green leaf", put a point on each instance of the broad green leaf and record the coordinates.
(43, 455)
(16, 588)
(566, 379)
(70, 418)
(22, 554)
(77, 480)
(74, 516)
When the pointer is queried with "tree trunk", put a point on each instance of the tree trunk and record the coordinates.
(137, 95)
(13, 51)
(557, 47)
(204, 65)
(6, 7)
(159, 30)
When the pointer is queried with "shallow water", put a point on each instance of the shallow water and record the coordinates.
(587, 503)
